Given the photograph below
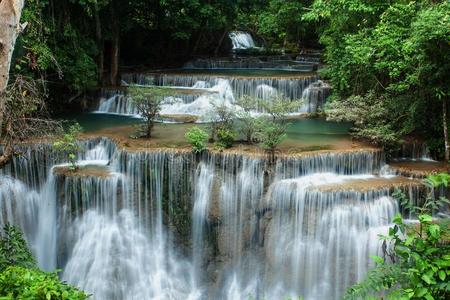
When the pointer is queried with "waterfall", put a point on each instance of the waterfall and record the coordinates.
(328, 238)
(414, 151)
(312, 91)
(173, 225)
(203, 188)
(314, 96)
(253, 63)
(241, 40)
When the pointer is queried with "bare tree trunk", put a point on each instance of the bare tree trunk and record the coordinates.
(197, 42)
(224, 34)
(115, 46)
(445, 125)
(114, 59)
(10, 12)
(8, 151)
(10, 27)
(99, 40)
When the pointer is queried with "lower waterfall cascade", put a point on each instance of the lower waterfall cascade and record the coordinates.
(169, 224)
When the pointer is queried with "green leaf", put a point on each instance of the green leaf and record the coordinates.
(435, 231)
(442, 275)
(425, 218)
(377, 259)
(398, 219)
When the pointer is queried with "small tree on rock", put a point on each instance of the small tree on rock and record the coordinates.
(222, 124)
(68, 145)
(273, 125)
(148, 101)
(249, 123)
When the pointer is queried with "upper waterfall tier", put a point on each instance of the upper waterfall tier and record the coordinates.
(291, 87)
(241, 40)
(193, 94)
(264, 63)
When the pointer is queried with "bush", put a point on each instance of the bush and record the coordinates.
(17, 282)
(14, 249)
(416, 259)
(21, 279)
(225, 138)
(197, 137)
(68, 145)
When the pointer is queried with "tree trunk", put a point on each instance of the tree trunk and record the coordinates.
(114, 59)
(197, 42)
(99, 41)
(216, 51)
(445, 125)
(10, 27)
(10, 12)
(115, 48)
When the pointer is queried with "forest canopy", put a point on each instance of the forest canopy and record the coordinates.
(388, 61)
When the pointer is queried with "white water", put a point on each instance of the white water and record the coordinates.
(327, 241)
(224, 91)
(241, 40)
(253, 234)
(204, 180)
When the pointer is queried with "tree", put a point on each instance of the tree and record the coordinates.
(274, 125)
(416, 262)
(24, 116)
(10, 12)
(222, 118)
(248, 122)
(197, 138)
(69, 146)
(10, 27)
(148, 102)
(281, 22)
(396, 54)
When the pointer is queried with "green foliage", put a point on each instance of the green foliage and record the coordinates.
(419, 254)
(279, 22)
(271, 135)
(278, 107)
(60, 50)
(272, 128)
(248, 124)
(225, 138)
(19, 276)
(197, 138)
(68, 145)
(148, 101)
(14, 250)
(222, 118)
(397, 54)
(17, 282)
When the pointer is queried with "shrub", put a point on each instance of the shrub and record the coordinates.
(14, 249)
(68, 145)
(418, 254)
(197, 137)
(17, 282)
(225, 138)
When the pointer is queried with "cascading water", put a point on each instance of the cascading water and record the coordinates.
(309, 89)
(241, 40)
(315, 96)
(328, 238)
(203, 188)
(171, 225)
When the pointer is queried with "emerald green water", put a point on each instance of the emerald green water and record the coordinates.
(302, 133)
